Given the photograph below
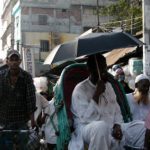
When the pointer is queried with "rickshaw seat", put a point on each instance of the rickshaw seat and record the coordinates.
(75, 73)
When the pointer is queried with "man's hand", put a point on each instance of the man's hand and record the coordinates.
(100, 88)
(117, 132)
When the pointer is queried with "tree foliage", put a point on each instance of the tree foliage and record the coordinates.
(123, 10)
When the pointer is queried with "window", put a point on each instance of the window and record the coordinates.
(44, 45)
(43, 20)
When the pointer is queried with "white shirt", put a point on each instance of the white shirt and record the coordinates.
(41, 104)
(86, 110)
(139, 111)
(133, 133)
(133, 136)
(50, 135)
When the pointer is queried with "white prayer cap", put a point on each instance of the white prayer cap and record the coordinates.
(141, 77)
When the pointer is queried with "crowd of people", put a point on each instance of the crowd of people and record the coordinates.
(97, 117)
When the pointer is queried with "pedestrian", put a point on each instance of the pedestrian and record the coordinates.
(41, 100)
(94, 107)
(51, 125)
(120, 76)
(17, 99)
(42, 105)
(115, 67)
(139, 100)
(41, 84)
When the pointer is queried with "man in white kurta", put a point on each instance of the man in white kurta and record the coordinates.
(93, 119)
(139, 110)
(50, 135)
(139, 100)
(41, 104)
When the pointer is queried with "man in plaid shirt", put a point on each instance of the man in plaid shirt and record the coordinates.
(17, 96)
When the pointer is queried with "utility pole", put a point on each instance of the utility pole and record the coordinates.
(98, 22)
(132, 17)
(146, 37)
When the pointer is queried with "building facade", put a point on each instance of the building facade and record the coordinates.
(7, 32)
(40, 25)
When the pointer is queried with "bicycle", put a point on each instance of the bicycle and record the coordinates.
(42, 141)
(13, 139)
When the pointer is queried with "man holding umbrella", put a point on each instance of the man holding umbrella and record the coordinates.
(94, 107)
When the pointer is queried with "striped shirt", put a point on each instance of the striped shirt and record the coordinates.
(16, 102)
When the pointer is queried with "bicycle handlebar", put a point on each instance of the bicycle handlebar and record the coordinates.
(18, 131)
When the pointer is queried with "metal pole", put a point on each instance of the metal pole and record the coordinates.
(132, 18)
(81, 12)
(98, 22)
(146, 37)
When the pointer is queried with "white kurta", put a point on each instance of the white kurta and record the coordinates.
(139, 111)
(50, 135)
(41, 104)
(133, 136)
(87, 112)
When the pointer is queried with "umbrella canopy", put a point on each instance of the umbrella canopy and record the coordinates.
(91, 44)
(61, 52)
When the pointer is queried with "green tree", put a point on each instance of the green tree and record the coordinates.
(125, 12)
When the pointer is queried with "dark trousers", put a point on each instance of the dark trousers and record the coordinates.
(14, 140)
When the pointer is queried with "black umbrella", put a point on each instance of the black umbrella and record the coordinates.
(91, 44)
(61, 52)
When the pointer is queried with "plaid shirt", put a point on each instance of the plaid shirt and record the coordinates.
(16, 102)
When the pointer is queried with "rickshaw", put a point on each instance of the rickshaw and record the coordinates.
(69, 77)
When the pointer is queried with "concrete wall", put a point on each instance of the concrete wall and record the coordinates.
(32, 39)
(62, 15)
(6, 25)
(46, 3)
(92, 2)
(146, 52)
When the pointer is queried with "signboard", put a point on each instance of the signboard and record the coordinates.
(135, 66)
(28, 61)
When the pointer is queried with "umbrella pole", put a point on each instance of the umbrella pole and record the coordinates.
(99, 74)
